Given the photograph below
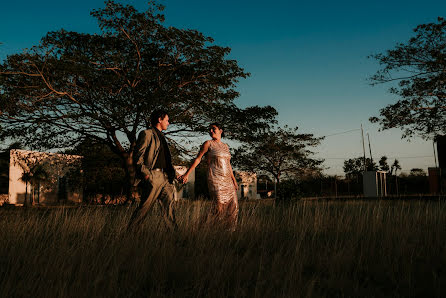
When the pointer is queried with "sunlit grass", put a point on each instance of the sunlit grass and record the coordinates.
(364, 248)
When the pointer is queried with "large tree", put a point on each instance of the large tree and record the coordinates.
(102, 172)
(103, 87)
(419, 68)
(279, 152)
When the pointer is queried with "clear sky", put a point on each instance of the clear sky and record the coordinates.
(308, 59)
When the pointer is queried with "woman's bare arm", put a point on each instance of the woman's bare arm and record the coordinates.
(204, 148)
(233, 178)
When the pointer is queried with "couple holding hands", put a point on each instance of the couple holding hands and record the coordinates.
(157, 174)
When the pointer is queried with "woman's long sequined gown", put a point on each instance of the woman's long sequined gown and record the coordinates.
(221, 187)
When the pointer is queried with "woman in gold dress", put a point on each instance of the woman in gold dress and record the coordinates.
(221, 181)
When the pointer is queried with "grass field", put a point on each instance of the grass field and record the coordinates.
(304, 249)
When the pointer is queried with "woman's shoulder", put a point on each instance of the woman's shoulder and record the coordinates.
(206, 144)
(224, 145)
(212, 141)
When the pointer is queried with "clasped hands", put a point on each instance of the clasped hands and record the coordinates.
(182, 178)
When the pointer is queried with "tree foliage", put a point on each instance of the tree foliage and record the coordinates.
(102, 170)
(419, 67)
(353, 167)
(75, 86)
(395, 167)
(279, 152)
(383, 165)
(417, 172)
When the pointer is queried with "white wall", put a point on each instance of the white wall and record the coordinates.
(57, 164)
(186, 191)
(247, 182)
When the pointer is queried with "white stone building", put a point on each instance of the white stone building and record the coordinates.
(247, 185)
(44, 178)
(185, 191)
(50, 178)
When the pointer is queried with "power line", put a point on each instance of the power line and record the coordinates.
(340, 133)
(403, 157)
(389, 157)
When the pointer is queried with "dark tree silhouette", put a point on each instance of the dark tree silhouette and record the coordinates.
(280, 152)
(419, 68)
(353, 167)
(383, 165)
(103, 87)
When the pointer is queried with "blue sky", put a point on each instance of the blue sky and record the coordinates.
(307, 59)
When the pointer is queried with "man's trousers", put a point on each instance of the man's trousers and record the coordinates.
(156, 188)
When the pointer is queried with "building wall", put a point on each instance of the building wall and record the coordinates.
(247, 185)
(16, 190)
(54, 188)
(186, 191)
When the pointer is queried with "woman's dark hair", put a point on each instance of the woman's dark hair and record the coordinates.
(219, 127)
(156, 114)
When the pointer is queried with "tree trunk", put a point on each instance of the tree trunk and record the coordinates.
(38, 193)
(276, 185)
(348, 187)
(26, 193)
(130, 174)
(336, 187)
(275, 189)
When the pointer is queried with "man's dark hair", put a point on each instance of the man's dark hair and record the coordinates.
(219, 127)
(156, 114)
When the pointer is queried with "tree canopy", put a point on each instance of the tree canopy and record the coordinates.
(383, 165)
(419, 68)
(417, 172)
(103, 87)
(279, 152)
(353, 167)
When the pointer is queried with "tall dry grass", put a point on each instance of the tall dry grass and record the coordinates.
(306, 249)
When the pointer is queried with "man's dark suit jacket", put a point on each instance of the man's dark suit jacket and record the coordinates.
(146, 153)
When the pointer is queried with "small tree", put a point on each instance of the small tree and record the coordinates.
(280, 152)
(39, 175)
(383, 165)
(34, 172)
(393, 170)
(353, 167)
(395, 167)
(417, 172)
(26, 177)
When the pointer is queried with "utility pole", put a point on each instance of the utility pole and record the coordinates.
(435, 154)
(363, 147)
(370, 149)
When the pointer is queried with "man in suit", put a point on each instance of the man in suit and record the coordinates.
(155, 172)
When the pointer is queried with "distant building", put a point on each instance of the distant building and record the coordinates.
(265, 186)
(374, 184)
(186, 191)
(51, 178)
(4, 174)
(44, 178)
(247, 185)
